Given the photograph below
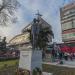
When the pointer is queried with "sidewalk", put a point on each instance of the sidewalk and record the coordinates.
(69, 64)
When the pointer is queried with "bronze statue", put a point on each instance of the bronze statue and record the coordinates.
(3, 44)
(35, 32)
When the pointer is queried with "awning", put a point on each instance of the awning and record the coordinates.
(73, 49)
(65, 49)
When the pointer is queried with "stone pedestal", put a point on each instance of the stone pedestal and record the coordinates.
(30, 59)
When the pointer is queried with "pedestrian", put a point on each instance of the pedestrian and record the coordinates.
(60, 55)
(71, 56)
(53, 55)
(66, 56)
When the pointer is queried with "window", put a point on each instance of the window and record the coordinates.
(67, 25)
(74, 23)
(72, 11)
(68, 36)
(73, 34)
(67, 12)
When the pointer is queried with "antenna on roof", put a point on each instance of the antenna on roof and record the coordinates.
(38, 14)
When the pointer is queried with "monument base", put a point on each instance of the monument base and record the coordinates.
(31, 60)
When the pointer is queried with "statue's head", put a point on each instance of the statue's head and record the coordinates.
(34, 20)
(4, 38)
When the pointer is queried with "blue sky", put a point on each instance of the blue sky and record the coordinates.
(50, 9)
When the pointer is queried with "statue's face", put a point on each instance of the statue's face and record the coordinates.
(34, 20)
(4, 38)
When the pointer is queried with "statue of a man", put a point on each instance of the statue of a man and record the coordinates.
(4, 43)
(35, 32)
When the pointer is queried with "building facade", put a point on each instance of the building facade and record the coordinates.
(67, 14)
(22, 39)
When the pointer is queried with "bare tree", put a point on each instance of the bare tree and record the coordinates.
(7, 11)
